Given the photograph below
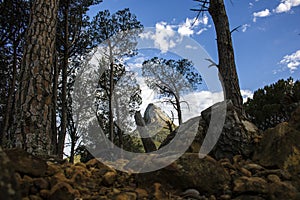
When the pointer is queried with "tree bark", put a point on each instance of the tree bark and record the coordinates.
(148, 143)
(226, 66)
(35, 93)
(178, 108)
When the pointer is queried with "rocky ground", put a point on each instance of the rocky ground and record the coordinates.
(270, 172)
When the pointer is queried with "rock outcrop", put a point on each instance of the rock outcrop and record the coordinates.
(158, 122)
(238, 136)
(280, 147)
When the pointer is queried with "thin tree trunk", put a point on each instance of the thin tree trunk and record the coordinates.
(9, 109)
(54, 99)
(226, 67)
(35, 92)
(62, 135)
(148, 143)
(178, 109)
(119, 130)
(110, 98)
(73, 143)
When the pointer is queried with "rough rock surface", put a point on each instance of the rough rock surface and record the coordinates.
(9, 189)
(237, 135)
(158, 122)
(280, 147)
(205, 175)
(187, 178)
(27, 164)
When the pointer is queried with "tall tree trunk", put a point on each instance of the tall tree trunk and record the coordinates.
(226, 67)
(54, 100)
(35, 92)
(9, 108)
(65, 65)
(111, 114)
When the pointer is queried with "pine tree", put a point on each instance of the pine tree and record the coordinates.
(14, 16)
(226, 66)
(73, 42)
(273, 104)
(117, 35)
(34, 98)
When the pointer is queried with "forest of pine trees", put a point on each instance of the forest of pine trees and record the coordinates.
(45, 44)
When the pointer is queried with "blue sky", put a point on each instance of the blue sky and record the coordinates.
(266, 44)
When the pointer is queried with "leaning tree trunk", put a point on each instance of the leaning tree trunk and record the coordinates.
(35, 92)
(226, 67)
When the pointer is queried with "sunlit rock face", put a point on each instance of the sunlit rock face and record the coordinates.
(158, 122)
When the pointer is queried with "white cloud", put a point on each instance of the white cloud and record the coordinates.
(163, 37)
(191, 47)
(187, 28)
(246, 94)
(263, 13)
(286, 5)
(201, 31)
(245, 27)
(292, 61)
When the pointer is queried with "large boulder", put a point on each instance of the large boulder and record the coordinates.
(189, 171)
(229, 133)
(27, 164)
(238, 136)
(280, 147)
(9, 189)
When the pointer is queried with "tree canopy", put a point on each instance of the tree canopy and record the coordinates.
(273, 104)
(171, 79)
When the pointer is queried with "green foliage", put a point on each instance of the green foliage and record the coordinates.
(14, 17)
(273, 104)
(118, 93)
(171, 79)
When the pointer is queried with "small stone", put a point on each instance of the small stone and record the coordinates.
(61, 190)
(190, 193)
(212, 197)
(126, 196)
(158, 194)
(34, 197)
(141, 193)
(116, 191)
(253, 166)
(41, 183)
(274, 178)
(109, 178)
(245, 172)
(225, 197)
(250, 184)
(44, 194)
